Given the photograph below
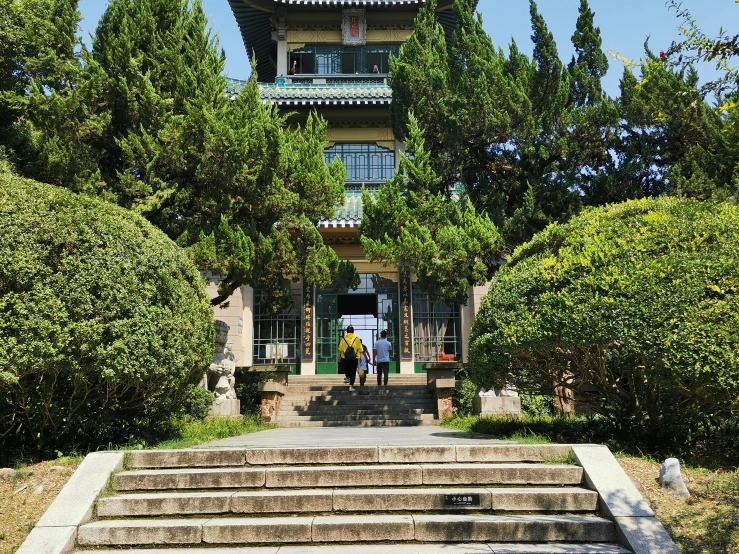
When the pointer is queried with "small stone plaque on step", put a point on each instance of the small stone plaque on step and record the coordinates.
(457, 500)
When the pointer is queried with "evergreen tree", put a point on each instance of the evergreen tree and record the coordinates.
(447, 245)
(589, 64)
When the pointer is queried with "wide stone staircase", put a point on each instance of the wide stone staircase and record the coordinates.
(325, 401)
(370, 500)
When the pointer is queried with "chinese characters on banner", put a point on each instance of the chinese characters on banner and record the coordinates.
(406, 346)
(354, 26)
(307, 345)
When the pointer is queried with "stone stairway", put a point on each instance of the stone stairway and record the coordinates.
(325, 401)
(377, 500)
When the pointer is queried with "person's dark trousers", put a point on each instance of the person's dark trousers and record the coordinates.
(383, 368)
(351, 371)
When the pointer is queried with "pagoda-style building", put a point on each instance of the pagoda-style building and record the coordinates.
(332, 56)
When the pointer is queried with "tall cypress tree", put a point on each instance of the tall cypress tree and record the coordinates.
(589, 64)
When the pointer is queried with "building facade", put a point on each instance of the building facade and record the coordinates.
(332, 56)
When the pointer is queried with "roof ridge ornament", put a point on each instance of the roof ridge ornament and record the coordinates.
(354, 26)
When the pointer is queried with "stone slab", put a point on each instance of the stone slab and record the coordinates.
(426, 548)
(370, 528)
(229, 407)
(258, 530)
(416, 454)
(74, 504)
(141, 532)
(496, 474)
(171, 479)
(511, 452)
(338, 455)
(220, 478)
(480, 528)
(49, 540)
(192, 503)
(222, 457)
(558, 549)
(437, 384)
(343, 476)
(273, 386)
(618, 494)
(398, 500)
(190, 550)
(544, 499)
(645, 535)
(497, 405)
(279, 501)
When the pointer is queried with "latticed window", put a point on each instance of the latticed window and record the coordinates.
(330, 60)
(276, 336)
(365, 163)
(436, 330)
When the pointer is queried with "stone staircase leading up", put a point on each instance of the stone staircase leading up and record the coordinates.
(339, 500)
(325, 401)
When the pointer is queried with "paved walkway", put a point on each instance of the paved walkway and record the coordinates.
(352, 436)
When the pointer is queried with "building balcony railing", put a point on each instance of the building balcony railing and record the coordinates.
(333, 79)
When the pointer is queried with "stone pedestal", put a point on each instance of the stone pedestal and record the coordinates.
(272, 393)
(499, 406)
(229, 407)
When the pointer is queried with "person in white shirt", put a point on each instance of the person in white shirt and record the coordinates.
(381, 355)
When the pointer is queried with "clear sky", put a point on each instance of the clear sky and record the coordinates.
(624, 25)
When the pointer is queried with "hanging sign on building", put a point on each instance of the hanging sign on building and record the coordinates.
(354, 27)
(406, 339)
(307, 318)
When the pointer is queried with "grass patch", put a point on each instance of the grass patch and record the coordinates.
(529, 438)
(562, 459)
(214, 428)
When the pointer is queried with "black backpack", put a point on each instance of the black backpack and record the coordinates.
(349, 353)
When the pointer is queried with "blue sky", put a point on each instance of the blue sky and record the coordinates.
(624, 25)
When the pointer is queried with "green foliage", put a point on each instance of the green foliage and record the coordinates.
(247, 389)
(191, 433)
(445, 242)
(144, 121)
(105, 327)
(463, 396)
(197, 403)
(638, 300)
(537, 405)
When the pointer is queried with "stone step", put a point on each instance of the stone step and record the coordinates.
(365, 392)
(342, 423)
(310, 409)
(360, 400)
(370, 382)
(396, 548)
(343, 529)
(413, 378)
(407, 475)
(530, 499)
(349, 416)
(238, 457)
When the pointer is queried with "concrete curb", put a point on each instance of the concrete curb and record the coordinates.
(56, 531)
(636, 525)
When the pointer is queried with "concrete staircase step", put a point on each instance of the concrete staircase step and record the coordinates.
(396, 548)
(292, 501)
(380, 410)
(358, 401)
(341, 423)
(238, 457)
(349, 416)
(343, 529)
(347, 476)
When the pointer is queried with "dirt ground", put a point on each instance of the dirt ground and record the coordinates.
(26, 494)
(706, 523)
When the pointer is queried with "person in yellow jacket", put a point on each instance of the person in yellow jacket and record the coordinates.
(350, 348)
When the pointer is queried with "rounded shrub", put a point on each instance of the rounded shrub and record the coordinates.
(104, 323)
(637, 302)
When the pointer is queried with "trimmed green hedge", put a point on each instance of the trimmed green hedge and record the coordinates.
(104, 323)
(639, 300)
